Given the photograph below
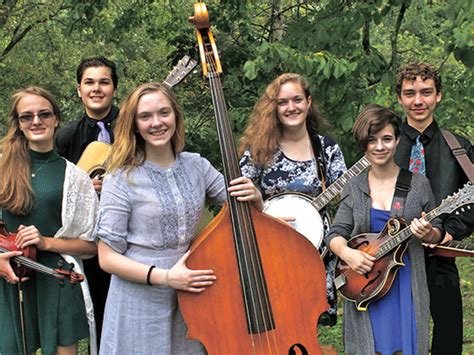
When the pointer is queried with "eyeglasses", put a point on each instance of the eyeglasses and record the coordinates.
(28, 117)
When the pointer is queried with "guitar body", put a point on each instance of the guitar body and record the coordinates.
(93, 158)
(363, 289)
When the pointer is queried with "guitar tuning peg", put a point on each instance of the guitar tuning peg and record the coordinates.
(456, 213)
(463, 210)
(71, 266)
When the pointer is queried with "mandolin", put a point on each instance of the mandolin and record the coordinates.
(388, 248)
(94, 158)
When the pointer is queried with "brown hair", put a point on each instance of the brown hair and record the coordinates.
(264, 129)
(372, 119)
(425, 71)
(16, 193)
(128, 150)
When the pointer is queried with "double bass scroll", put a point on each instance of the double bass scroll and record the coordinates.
(271, 284)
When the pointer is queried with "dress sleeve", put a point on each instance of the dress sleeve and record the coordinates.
(335, 164)
(214, 182)
(343, 224)
(248, 169)
(79, 205)
(114, 213)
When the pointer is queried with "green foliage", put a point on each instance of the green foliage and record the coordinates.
(350, 52)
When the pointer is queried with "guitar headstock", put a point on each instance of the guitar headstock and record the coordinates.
(180, 71)
(464, 196)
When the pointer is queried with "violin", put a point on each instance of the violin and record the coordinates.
(26, 262)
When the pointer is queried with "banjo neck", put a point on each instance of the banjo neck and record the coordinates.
(336, 187)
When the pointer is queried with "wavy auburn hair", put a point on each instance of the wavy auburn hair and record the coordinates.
(263, 132)
(128, 150)
(16, 193)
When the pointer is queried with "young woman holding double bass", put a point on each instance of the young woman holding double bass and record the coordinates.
(399, 321)
(150, 205)
(51, 206)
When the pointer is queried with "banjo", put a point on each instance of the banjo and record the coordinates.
(306, 209)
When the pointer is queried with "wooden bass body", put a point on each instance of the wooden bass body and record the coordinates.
(296, 288)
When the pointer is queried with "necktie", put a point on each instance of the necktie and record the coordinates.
(417, 158)
(104, 135)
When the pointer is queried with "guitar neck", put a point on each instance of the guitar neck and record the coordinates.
(335, 188)
(33, 265)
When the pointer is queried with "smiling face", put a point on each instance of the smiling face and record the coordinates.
(381, 146)
(37, 122)
(156, 122)
(418, 99)
(292, 106)
(96, 91)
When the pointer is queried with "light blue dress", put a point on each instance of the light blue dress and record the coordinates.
(150, 216)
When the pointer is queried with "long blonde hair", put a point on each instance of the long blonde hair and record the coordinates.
(264, 129)
(16, 194)
(128, 150)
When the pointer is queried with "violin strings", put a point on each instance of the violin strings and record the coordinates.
(232, 165)
(31, 264)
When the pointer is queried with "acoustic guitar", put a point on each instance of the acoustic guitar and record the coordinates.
(93, 159)
(388, 248)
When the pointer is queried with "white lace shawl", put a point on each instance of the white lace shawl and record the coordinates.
(80, 206)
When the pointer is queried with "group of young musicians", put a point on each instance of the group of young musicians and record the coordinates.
(154, 193)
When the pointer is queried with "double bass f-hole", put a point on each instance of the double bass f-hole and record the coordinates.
(271, 283)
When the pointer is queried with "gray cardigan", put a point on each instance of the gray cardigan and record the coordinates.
(352, 218)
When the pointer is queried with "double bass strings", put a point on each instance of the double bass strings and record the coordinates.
(240, 213)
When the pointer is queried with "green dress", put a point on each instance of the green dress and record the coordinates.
(54, 314)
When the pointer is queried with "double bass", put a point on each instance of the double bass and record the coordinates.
(271, 284)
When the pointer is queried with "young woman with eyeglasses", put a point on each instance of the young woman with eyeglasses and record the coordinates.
(51, 205)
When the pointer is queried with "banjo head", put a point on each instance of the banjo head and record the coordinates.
(307, 221)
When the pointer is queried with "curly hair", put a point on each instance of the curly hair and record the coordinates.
(263, 132)
(16, 193)
(128, 149)
(424, 70)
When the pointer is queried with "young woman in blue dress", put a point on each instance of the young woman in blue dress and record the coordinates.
(151, 203)
(398, 322)
(51, 205)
